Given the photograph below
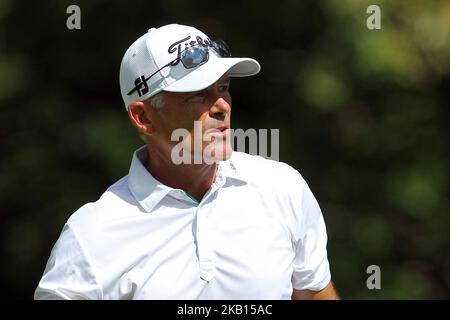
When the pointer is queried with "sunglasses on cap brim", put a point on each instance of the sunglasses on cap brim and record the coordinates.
(192, 57)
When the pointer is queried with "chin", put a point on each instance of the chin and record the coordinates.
(214, 153)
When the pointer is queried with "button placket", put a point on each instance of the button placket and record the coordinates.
(204, 238)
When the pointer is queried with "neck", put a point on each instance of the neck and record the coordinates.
(194, 179)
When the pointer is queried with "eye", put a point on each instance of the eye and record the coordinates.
(197, 96)
(224, 87)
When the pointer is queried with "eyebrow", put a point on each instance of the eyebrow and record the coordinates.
(224, 79)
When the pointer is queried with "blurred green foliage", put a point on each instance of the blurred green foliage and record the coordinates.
(363, 115)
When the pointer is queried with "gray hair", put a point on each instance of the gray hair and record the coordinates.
(157, 101)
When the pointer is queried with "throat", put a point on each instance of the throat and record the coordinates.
(194, 179)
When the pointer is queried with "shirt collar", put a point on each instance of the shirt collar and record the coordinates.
(148, 191)
(229, 169)
(145, 188)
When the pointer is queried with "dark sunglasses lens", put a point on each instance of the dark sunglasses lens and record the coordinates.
(193, 57)
(222, 48)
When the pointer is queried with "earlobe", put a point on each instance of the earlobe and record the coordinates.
(140, 118)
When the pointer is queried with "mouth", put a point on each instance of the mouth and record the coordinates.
(220, 130)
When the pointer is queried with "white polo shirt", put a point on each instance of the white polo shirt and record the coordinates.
(256, 234)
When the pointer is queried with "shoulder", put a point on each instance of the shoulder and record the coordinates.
(91, 216)
(259, 170)
(282, 188)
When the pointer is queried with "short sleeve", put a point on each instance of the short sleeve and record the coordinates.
(311, 267)
(68, 274)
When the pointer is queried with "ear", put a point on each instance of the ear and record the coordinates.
(139, 115)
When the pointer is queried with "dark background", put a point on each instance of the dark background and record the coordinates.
(363, 115)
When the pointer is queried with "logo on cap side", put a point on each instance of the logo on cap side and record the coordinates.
(138, 85)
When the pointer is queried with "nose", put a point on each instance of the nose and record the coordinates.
(220, 107)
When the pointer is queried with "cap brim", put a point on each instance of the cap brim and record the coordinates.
(210, 72)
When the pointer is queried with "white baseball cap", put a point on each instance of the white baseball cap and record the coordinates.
(154, 63)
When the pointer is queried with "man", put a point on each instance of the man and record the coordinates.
(192, 219)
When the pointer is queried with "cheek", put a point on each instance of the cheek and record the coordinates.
(176, 120)
(188, 121)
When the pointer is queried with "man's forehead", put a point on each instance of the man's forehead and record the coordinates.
(223, 79)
